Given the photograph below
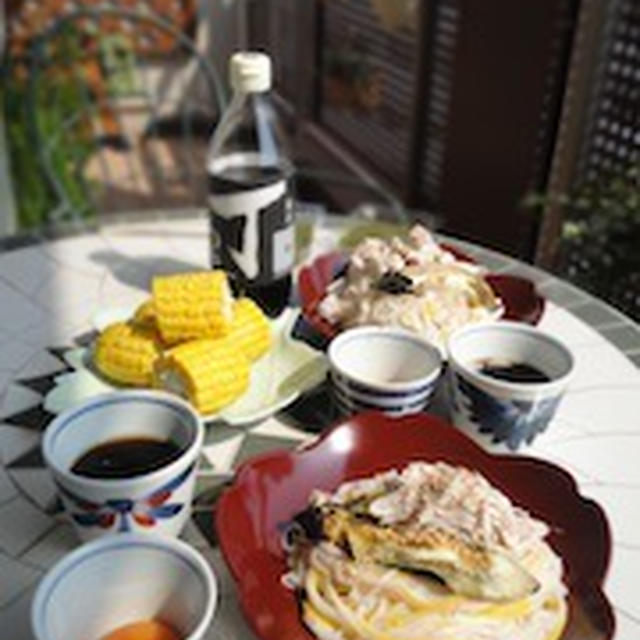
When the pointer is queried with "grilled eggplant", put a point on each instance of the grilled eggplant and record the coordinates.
(467, 569)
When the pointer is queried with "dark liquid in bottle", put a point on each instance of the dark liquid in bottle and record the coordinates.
(126, 458)
(516, 372)
(243, 177)
(271, 286)
(272, 298)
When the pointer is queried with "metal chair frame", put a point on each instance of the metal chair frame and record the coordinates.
(45, 148)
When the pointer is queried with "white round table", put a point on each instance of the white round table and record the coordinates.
(50, 290)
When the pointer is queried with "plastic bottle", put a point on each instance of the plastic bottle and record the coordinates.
(251, 210)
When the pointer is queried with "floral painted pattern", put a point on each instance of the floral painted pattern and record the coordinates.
(144, 512)
(510, 421)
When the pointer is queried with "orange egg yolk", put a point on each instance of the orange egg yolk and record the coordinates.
(144, 630)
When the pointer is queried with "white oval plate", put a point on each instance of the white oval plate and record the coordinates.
(289, 369)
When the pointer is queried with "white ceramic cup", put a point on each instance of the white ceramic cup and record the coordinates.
(115, 581)
(383, 368)
(498, 413)
(155, 502)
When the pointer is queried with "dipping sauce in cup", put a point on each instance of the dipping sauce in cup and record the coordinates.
(506, 380)
(125, 462)
(512, 371)
(126, 458)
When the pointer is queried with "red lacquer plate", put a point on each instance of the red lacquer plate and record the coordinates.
(269, 489)
(521, 301)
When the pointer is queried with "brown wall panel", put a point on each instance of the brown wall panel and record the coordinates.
(461, 105)
(500, 122)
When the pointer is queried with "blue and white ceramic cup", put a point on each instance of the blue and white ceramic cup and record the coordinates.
(156, 502)
(497, 413)
(385, 369)
(115, 581)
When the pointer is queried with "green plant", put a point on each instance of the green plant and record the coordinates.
(118, 60)
(600, 244)
(58, 101)
(33, 197)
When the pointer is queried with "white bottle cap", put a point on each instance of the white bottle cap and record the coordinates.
(250, 71)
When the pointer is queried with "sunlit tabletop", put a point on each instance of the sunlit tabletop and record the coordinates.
(50, 290)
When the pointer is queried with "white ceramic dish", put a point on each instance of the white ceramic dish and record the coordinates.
(383, 368)
(115, 581)
(289, 369)
(497, 411)
(154, 502)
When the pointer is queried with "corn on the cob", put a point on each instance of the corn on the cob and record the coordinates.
(250, 330)
(145, 316)
(209, 373)
(192, 305)
(127, 354)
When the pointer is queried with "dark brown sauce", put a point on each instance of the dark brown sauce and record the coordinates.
(126, 458)
(516, 372)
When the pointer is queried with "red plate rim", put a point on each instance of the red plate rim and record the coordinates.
(272, 610)
(521, 299)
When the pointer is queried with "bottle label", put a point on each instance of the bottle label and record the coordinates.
(283, 251)
(254, 228)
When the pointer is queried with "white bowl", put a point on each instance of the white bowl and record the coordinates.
(155, 502)
(115, 581)
(383, 368)
(499, 412)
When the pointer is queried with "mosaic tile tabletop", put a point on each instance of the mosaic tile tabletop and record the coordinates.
(50, 291)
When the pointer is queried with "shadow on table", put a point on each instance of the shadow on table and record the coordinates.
(316, 410)
(313, 411)
(138, 271)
